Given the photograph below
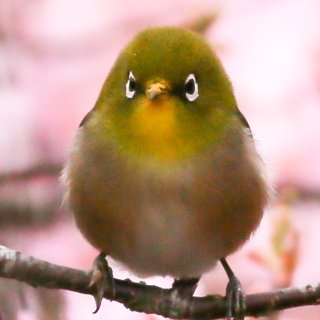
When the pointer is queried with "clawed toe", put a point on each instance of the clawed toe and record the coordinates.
(236, 303)
(235, 300)
(102, 279)
(185, 287)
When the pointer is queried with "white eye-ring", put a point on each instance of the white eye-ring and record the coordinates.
(131, 86)
(191, 87)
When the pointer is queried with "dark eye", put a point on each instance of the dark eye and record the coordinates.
(131, 86)
(191, 87)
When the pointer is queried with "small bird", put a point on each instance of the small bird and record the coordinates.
(163, 175)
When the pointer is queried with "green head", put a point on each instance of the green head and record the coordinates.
(167, 97)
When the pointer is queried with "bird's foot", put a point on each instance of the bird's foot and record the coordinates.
(181, 294)
(102, 279)
(185, 287)
(235, 299)
(236, 302)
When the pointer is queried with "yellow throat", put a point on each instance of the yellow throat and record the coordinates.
(158, 129)
(154, 124)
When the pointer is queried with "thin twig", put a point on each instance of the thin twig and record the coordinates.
(149, 299)
(44, 169)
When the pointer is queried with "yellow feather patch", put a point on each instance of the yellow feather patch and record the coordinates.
(154, 119)
(154, 124)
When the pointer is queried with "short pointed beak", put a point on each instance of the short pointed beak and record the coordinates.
(155, 90)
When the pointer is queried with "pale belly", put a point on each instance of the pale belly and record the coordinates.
(169, 239)
(178, 222)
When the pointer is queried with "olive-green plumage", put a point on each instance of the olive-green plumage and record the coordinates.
(163, 175)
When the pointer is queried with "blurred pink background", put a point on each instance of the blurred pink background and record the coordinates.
(54, 57)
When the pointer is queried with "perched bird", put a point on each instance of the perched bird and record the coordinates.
(163, 175)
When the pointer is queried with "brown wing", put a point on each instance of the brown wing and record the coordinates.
(244, 121)
(86, 118)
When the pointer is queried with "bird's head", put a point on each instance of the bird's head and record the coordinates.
(167, 97)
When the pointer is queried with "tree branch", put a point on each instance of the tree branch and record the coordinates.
(43, 169)
(149, 299)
